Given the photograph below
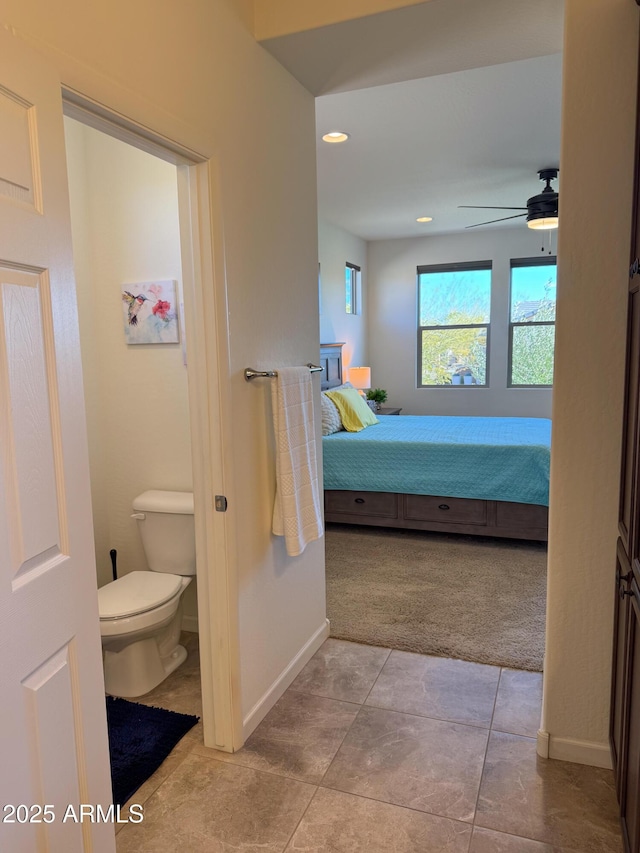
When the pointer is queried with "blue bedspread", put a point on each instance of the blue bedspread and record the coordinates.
(503, 459)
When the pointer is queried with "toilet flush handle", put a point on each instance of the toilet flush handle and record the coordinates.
(139, 516)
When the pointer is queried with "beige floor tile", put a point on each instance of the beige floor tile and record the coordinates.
(519, 703)
(299, 737)
(429, 765)
(343, 823)
(208, 806)
(441, 688)
(175, 758)
(342, 670)
(563, 804)
(488, 841)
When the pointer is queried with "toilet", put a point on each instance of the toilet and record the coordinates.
(141, 612)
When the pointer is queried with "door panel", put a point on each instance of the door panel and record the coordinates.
(631, 768)
(629, 440)
(621, 621)
(53, 735)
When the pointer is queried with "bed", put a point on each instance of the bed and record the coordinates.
(483, 476)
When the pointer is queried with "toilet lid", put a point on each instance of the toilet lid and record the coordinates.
(137, 592)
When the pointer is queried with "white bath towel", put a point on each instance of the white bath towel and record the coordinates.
(297, 513)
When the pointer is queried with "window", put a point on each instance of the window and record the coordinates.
(532, 322)
(352, 281)
(454, 306)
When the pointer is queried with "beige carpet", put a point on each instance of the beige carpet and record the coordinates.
(463, 597)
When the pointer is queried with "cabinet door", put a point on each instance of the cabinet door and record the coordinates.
(630, 435)
(630, 781)
(619, 680)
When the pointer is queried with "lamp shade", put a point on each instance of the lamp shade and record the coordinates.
(360, 377)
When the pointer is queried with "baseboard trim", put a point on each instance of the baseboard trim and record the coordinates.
(190, 623)
(542, 745)
(266, 703)
(578, 751)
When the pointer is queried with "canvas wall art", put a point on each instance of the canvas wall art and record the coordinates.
(150, 312)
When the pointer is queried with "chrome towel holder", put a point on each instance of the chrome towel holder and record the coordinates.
(250, 374)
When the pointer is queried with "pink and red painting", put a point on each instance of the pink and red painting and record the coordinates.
(150, 312)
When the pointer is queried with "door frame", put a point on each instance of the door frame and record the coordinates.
(207, 339)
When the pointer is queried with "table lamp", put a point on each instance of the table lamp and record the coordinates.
(360, 378)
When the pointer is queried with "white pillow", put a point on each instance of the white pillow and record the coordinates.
(330, 416)
(331, 421)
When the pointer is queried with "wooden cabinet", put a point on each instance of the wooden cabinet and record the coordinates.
(625, 685)
(625, 681)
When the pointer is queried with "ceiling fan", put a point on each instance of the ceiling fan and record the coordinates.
(541, 210)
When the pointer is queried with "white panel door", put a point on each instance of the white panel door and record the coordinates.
(53, 741)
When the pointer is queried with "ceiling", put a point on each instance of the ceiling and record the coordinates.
(447, 103)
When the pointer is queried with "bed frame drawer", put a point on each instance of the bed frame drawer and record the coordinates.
(446, 510)
(519, 516)
(377, 504)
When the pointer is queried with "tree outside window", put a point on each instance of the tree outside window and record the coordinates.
(454, 306)
(532, 322)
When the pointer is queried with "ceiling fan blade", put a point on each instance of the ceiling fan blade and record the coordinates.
(488, 207)
(491, 221)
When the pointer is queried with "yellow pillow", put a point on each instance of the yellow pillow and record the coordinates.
(354, 412)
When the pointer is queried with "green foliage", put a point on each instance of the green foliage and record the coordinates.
(446, 352)
(450, 299)
(377, 394)
(532, 350)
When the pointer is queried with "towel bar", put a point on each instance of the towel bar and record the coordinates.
(250, 374)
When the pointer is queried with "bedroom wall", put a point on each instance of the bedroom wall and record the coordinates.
(124, 216)
(196, 74)
(335, 247)
(392, 322)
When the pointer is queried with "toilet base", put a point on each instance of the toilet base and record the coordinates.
(139, 666)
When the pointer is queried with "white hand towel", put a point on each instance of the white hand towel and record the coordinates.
(297, 511)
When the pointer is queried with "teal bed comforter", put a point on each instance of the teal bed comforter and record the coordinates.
(502, 459)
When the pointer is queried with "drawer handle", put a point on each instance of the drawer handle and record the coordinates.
(359, 500)
(443, 506)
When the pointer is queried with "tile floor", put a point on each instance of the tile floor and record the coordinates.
(377, 751)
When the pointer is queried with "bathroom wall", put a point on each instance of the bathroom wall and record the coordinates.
(124, 210)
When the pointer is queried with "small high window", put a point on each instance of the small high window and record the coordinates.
(352, 288)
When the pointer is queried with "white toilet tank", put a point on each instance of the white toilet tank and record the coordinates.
(165, 522)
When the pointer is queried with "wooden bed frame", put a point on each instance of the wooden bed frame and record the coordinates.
(426, 512)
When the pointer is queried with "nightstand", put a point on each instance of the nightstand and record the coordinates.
(384, 411)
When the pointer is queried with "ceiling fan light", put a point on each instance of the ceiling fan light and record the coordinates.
(544, 223)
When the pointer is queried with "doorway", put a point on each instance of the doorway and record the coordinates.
(180, 419)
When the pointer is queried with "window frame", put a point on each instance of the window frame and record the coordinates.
(518, 263)
(464, 266)
(355, 272)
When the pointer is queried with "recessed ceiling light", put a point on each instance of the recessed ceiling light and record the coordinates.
(335, 136)
(424, 219)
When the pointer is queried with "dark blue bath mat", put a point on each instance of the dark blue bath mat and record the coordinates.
(140, 738)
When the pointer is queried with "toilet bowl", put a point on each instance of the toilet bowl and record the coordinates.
(141, 612)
